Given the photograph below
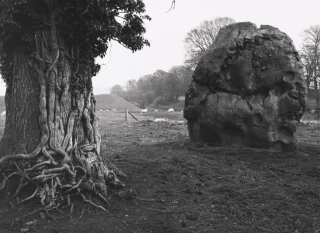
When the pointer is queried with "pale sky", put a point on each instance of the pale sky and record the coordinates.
(166, 32)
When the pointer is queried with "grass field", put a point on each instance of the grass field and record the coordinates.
(109, 102)
(2, 104)
(180, 187)
(105, 102)
(177, 106)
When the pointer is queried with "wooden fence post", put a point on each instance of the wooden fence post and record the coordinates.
(133, 116)
(126, 115)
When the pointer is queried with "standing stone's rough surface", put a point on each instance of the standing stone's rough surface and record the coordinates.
(247, 89)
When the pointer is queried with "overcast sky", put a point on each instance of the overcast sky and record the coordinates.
(166, 32)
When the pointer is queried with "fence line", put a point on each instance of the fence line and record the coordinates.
(126, 115)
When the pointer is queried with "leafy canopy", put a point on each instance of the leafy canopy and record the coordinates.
(87, 24)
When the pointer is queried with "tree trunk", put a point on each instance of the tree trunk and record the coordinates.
(51, 136)
(315, 82)
(22, 132)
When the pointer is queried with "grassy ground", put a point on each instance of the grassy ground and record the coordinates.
(2, 104)
(184, 188)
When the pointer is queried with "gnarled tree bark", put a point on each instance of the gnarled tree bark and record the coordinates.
(51, 140)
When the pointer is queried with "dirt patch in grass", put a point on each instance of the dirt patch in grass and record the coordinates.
(179, 187)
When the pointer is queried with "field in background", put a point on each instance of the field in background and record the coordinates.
(2, 104)
(312, 103)
(179, 187)
(309, 117)
(177, 106)
(109, 102)
(105, 102)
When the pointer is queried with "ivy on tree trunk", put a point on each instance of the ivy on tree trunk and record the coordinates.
(51, 143)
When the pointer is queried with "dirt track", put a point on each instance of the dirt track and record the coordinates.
(178, 188)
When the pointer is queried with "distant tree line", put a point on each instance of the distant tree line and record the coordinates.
(157, 88)
(165, 87)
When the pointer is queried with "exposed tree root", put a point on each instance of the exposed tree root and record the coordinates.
(81, 214)
(57, 171)
(67, 160)
(26, 215)
(90, 202)
(50, 216)
(54, 183)
(29, 198)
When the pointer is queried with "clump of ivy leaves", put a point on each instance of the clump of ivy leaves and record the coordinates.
(86, 25)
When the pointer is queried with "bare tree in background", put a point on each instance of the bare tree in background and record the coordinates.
(307, 62)
(199, 39)
(310, 55)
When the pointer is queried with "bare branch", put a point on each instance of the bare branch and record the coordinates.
(87, 8)
(198, 40)
(173, 5)
(310, 55)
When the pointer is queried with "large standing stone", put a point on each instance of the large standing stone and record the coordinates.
(247, 89)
